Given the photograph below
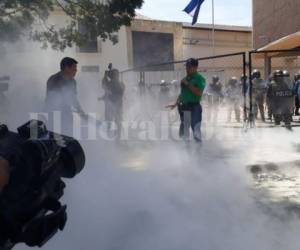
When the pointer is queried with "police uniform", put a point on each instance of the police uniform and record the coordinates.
(281, 99)
(233, 96)
(164, 93)
(296, 88)
(259, 90)
(214, 96)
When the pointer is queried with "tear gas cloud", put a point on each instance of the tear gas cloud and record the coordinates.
(160, 195)
(164, 197)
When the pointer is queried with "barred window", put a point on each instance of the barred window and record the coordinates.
(151, 48)
(91, 45)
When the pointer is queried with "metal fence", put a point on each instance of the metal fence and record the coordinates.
(162, 87)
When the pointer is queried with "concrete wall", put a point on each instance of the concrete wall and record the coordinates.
(274, 19)
(116, 54)
(198, 42)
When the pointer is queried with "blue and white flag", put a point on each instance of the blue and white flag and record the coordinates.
(193, 9)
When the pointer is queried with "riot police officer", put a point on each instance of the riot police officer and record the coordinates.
(244, 85)
(214, 95)
(268, 97)
(233, 97)
(287, 79)
(259, 90)
(281, 99)
(244, 80)
(296, 88)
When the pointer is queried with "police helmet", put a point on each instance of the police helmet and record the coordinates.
(215, 78)
(285, 73)
(255, 74)
(163, 83)
(243, 77)
(233, 81)
(297, 77)
(277, 73)
(175, 82)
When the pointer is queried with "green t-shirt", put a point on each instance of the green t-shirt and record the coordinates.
(186, 95)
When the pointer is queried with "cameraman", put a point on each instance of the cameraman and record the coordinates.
(33, 163)
(114, 90)
(106, 97)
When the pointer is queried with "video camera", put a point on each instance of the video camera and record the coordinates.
(108, 73)
(30, 211)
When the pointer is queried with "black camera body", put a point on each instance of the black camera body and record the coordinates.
(30, 210)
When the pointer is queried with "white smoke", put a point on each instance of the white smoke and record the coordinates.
(171, 197)
(163, 195)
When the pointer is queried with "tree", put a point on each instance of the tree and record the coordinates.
(103, 18)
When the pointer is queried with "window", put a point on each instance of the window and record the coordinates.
(153, 48)
(91, 46)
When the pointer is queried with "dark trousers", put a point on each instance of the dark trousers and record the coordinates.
(259, 105)
(286, 118)
(297, 105)
(190, 117)
(234, 105)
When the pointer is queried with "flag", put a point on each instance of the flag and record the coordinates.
(193, 9)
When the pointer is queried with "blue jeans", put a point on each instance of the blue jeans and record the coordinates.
(190, 116)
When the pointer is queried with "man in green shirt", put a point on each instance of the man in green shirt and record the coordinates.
(188, 102)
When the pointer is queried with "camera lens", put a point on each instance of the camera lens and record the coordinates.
(72, 158)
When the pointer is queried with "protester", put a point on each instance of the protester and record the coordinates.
(188, 102)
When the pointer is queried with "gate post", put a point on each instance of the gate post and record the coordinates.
(251, 115)
(245, 86)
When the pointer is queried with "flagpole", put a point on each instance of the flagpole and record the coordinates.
(213, 27)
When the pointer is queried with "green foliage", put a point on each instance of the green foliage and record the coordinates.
(101, 18)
